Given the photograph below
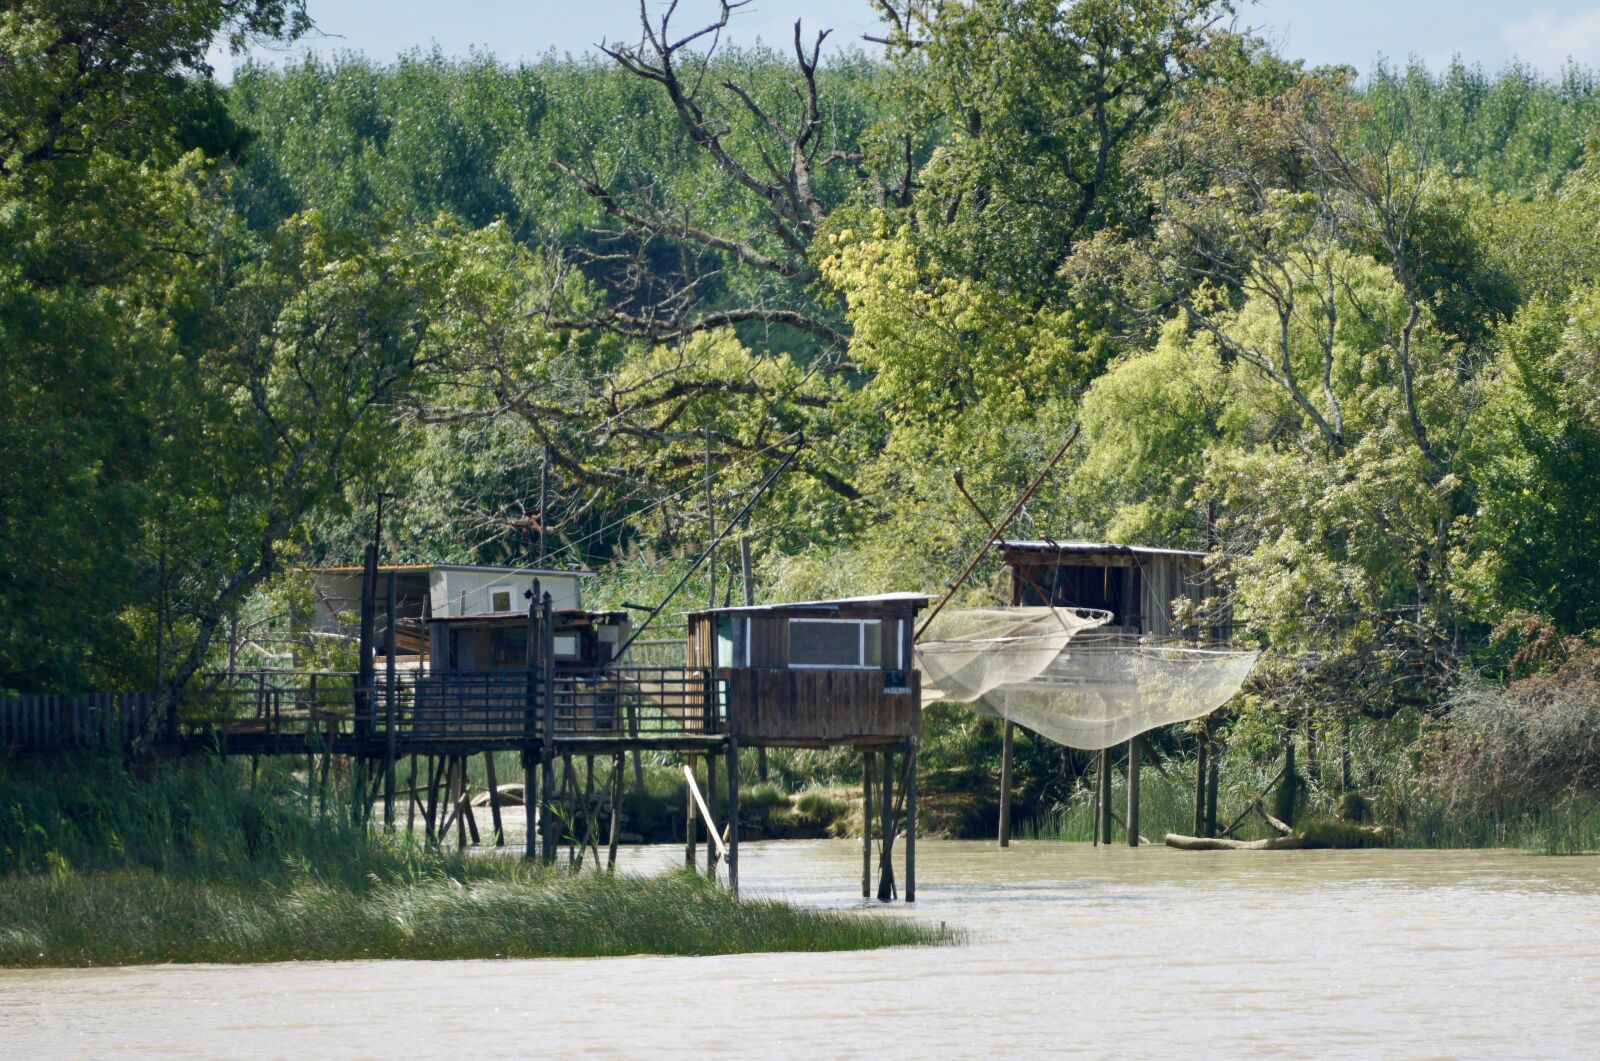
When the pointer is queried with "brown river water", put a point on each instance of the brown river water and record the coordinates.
(1072, 950)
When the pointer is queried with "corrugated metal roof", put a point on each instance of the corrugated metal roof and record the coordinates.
(817, 605)
(1096, 547)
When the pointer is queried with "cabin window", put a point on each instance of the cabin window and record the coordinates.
(566, 646)
(509, 645)
(836, 643)
(502, 600)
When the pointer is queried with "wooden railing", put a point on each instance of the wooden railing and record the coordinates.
(308, 706)
(90, 721)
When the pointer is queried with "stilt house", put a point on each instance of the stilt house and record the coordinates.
(1135, 583)
(813, 673)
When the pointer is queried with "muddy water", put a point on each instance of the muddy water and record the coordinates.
(1073, 950)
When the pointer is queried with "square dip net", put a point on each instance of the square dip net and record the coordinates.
(1052, 671)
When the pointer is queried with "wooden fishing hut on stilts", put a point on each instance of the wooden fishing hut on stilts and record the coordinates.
(1137, 585)
(819, 674)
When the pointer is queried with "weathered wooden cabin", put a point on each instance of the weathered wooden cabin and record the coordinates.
(428, 593)
(814, 673)
(583, 641)
(1137, 584)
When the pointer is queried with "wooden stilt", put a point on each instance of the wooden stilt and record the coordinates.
(731, 806)
(1201, 754)
(1211, 793)
(1103, 829)
(569, 795)
(530, 806)
(411, 796)
(867, 812)
(886, 798)
(430, 812)
(466, 805)
(711, 807)
(690, 837)
(1135, 753)
(494, 799)
(458, 795)
(911, 820)
(616, 813)
(1006, 745)
(390, 705)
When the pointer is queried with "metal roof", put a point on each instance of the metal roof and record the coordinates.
(356, 569)
(1087, 548)
(818, 605)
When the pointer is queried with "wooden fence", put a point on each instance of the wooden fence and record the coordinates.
(91, 721)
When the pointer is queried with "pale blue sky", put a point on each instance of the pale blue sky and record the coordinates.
(1543, 33)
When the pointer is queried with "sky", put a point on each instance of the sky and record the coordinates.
(1542, 33)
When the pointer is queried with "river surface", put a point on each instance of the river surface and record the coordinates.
(1072, 949)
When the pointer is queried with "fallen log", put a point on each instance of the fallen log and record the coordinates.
(1219, 843)
(1323, 835)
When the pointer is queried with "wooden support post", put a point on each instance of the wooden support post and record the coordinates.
(530, 785)
(731, 809)
(547, 819)
(1103, 826)
(1006, 745)
(616, 812)
(458, 801)
(711, 821)
(494, 799)
(867, 811)
(1211, 792)
(911, 820)
(591, 813)
(430, 812)
(1200, 756)
(389, 705)
(569, 792)
(747, 577)
(466, 805)
(411, 796)
(363, 698)
(886, 859)
(690, 839)
(1135, 753)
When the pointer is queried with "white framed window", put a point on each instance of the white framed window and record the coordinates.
(502, 600)
(838, 644)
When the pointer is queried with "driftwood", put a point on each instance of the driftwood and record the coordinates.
(1287, 839)
(1218, 843)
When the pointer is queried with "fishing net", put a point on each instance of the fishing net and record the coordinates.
(1058, 676)
(966, 654)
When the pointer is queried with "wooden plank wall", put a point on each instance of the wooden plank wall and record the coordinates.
(776, 705)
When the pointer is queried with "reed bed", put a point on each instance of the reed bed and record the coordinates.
(194, 864)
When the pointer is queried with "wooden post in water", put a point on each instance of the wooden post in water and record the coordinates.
(911, 820)
(363, 697)
(1103, 825)
(1135, 752)
(886, 861)
(547, 818)
(411, 795)
(731, 809)
(867, 811)
(689, 838)
(1006, 745)
(711, 807)
(530, 785)
(616, 812)
(494, 799)
(1211, 793)
(1201, 754)
(389, 705)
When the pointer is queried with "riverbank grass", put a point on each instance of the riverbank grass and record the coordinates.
(135, 917)
(195, 863)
